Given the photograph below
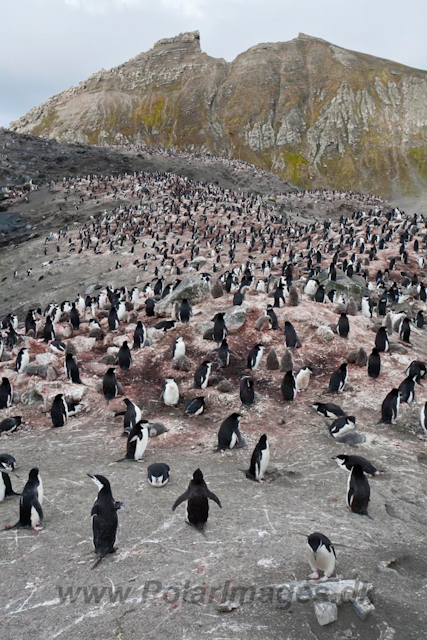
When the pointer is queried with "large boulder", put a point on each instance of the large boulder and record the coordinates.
(235, 318)
(190, 289)
(355, 286)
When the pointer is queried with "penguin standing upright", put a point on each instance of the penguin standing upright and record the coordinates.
(74, 317)
(247, 392)
(6, 394)
(289, 387)
(113, 319)
(131, 417)
(219, 331)
(6, 490)
(407, 390)
(223, 354)
(255, 356)
(381, 340)
(374, 364)
(170, 393)
(259, 460)
(185, 312)
(321, 555)
(229, 435)
(197, 496)
(343, 328)
(291, 338)
(158, 474)
(72, 369)
(201, 376)
(137, 441)
(358, 491)
(338, 379)
(48, 330)
(405, 330)
(423, 418)
(59, 411)
(390, 407)
(22, 360)
(273, 318)
(104, 518)
(139, 336)
(30, 503)
(302, 378)
(178, 348)
(150, 303)
(125, 357)
(110, 387)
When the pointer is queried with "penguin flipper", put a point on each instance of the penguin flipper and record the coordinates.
(213, 497)
(181, 498)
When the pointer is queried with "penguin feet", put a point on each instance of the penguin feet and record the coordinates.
(313, 576)
(324, 578)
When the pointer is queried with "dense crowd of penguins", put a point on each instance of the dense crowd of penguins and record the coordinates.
(237, 245)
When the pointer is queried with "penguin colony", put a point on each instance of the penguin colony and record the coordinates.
(242, 253)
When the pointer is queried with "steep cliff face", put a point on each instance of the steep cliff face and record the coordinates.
(316, 114)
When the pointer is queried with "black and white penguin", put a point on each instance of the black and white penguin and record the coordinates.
(74, 317)
(184, 312)
(165, 325)
(273, 318)
(259, 460)
(407, 390)
(30, 322)
(48, 330)
(219, 331)
(104, 518)
(197, 496)
(381, 340)
(247, 391)
(367, 307)
(417, 370)
(150, 303)
(343, 328)
(328, 409)
(139, 335)
(137, 441)
(201, 376)
(113, 319)
(30, 503)
(289, 387)
(342, 425)
(390, 407)
(158, 474)
(7, 462)
(347, 462)
(358, 491)
(223, 354)
(59, 411)
(338, 379)
(110, 387)
(319, 296)
(6, 490)
(125, 357)
(195, 407)
(132, 415)
(10, 425)
(405, 330)
(170, 393)
(58, 347)
(279, 296)
(229, 435)
(178, 349)
(374, 364)
(302, 378)
(22, 360)
(255, 356)
(6, 394)
(72, 369)
(321, 555)
(291, 338)
(423, 418)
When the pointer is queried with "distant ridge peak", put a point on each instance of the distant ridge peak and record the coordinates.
(189, 37)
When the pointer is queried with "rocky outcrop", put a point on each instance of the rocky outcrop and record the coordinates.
(316, 114)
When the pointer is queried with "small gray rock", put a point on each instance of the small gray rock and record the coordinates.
(235, 318)
(51, 373)
(325, 334)
(363, 607)
(326, 612)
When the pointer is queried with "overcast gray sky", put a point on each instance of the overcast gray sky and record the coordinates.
(49, 45)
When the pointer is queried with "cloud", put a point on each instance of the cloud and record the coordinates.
(189, 8)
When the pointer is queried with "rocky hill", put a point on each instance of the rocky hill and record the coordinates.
(314, 113)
